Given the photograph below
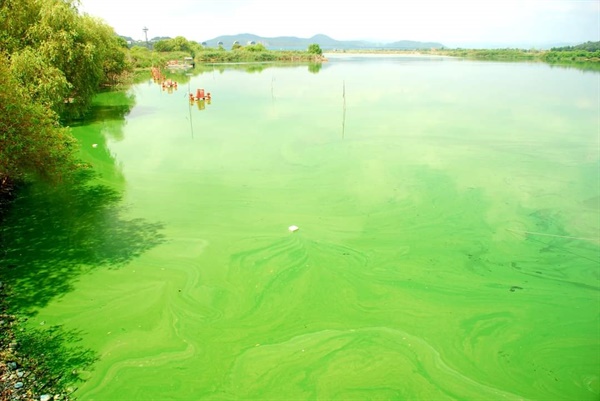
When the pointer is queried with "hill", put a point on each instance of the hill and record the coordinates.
(324, 41)
(587, 46)
(412, 45)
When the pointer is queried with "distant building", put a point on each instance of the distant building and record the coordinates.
(251, 42)
(236, 43)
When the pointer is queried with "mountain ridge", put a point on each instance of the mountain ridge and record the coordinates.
(324, 41)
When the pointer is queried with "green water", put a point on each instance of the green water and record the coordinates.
(448, 244)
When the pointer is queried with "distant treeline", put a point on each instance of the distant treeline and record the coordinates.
(588, 52)
(585, 56)
(589, 46)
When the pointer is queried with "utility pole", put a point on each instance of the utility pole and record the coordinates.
(146, 35)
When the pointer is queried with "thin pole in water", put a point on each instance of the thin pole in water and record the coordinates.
(190, 106)
(344, 112)
(272, 94)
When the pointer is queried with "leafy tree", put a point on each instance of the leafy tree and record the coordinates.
(46, 39)
(45, 84)
(172, 45)
(195, 48)
(16, 18)
(163, 46)
(258, 47)
(180, 44)
(315, 49)
(32, 144)
(588, 46)
(108, 47)
(142, 57)
(52, 62)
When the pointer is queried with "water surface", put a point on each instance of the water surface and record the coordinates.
(448, 245)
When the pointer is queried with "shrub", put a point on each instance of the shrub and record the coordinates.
(315, 49)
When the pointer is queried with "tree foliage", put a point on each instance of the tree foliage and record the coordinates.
(52, 62)
(31, 142)
(258, 47)
(45, 83)
(587, 46)
(176, 44)
(554, 56)
(142, 57)
(58, 54)
(315, 49)
(254, 53)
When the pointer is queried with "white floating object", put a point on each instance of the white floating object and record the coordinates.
(293, 228)
(95, 145)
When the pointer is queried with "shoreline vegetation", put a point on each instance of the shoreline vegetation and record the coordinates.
(548, 56)
(179, 48)
(585, 56)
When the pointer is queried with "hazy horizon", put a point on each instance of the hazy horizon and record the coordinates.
(463, 23)
(473, 45)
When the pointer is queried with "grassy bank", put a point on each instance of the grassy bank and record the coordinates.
(143, 58)
(244, 55)
(521, 54)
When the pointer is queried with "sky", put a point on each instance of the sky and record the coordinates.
(458, 23)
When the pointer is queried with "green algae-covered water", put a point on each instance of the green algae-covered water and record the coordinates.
(448, 244)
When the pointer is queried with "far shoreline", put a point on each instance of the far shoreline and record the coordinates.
(574, 59)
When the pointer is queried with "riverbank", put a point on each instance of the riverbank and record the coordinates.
(581, 60)
(142, 58)
(549, 56)
(237, 56)
(28, 368)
